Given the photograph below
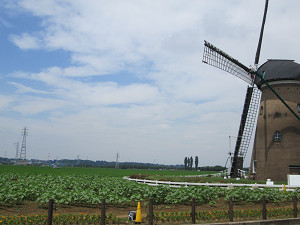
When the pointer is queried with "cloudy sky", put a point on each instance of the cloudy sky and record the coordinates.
(96, 78)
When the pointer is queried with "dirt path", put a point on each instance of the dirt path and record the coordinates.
(29, 208)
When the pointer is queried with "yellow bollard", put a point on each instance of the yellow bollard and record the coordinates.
(284, 188)
(138, 218)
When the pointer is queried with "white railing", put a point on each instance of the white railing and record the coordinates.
(225, 185)
(204, 175)
(226, 173)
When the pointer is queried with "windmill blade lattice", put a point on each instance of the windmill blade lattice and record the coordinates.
(217, 58)
(249, 122)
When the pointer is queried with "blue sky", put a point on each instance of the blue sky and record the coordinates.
(97, 78)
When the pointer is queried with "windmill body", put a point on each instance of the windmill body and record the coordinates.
(275, 93)
(276, 150)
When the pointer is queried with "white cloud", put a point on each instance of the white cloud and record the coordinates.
(25, 41)
(24, 89)
(35, 105)
(5, 101)
(91, 93)
(110, 94)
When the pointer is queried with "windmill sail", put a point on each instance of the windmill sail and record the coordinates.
(217, 58)
(261, 34)
(247, 124)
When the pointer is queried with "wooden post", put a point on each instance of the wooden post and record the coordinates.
(103, 212)
(50, 212)
(230, 209)
(150, 211)
(264, 208)
(295, 206)
(193, 211)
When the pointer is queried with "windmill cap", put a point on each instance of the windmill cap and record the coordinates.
(278, 69)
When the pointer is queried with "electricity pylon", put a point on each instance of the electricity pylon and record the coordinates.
(23, 147)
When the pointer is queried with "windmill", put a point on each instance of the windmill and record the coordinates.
(265, 84)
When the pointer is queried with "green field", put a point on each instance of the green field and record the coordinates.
(29, 189)
(92, 171)
(87, 186)
(151, 174)
(83, 186)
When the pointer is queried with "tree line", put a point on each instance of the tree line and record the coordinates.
(189, 162)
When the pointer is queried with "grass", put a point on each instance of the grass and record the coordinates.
(92, 171)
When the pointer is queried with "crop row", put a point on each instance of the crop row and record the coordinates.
(91, 189)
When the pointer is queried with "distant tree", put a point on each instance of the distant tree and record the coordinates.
(191, 162)
(196, 163)
(188, 163)
(185, 162)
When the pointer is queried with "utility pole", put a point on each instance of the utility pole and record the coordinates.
(78, 160)
(23, 147)
(117, 161)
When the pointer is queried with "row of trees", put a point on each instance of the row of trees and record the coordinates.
(188, 163)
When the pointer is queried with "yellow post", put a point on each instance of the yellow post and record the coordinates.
(284, 188)
(138, 218)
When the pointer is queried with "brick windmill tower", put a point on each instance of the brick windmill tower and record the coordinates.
(276, 150)
(274, 91)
